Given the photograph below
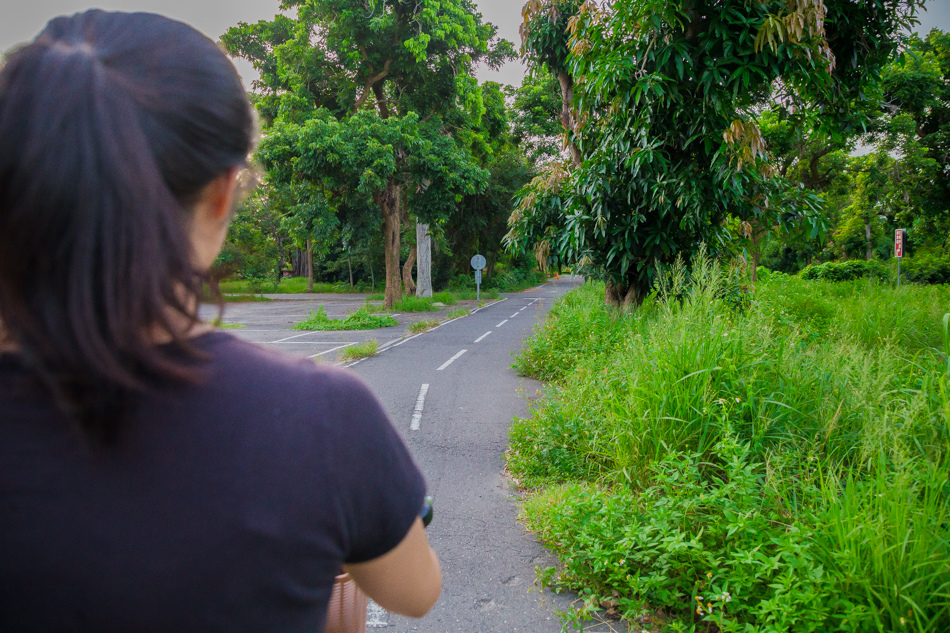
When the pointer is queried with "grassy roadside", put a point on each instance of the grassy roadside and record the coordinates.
(288, 285)
(718, 461)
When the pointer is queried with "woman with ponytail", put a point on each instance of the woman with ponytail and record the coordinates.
(157, 474)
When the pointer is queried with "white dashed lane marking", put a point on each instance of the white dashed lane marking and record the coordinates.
(451, 360)
(420, 404)
(482, 337)
(502, 323)
(333, 349)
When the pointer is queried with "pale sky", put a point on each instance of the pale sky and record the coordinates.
(21, 20)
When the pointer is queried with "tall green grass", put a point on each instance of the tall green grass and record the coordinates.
(832, 399)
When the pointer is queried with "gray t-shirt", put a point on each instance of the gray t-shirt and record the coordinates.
(228, 506)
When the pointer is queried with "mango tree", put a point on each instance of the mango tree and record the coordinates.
(663, 115)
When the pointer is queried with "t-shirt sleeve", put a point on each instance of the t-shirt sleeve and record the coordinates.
(381, 488)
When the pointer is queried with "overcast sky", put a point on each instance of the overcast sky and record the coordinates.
(20, 20)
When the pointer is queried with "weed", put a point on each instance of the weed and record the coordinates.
(360, 350)
(358, 320)
(228, 326)
(454, 314)
(422, 326)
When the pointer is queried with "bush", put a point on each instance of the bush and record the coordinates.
(847, 270)
(785, 463)
(926, 268)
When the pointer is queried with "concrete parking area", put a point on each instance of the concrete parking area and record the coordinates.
(270, 322)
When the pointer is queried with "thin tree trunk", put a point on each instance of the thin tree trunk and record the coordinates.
(867, 235)
(755, 254)
(372, 273)
(410, 285)
(309, 265)
(283, 259)
(567, 119)
(349, 262)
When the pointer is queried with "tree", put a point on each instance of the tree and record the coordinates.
(666, 94)
(917, 86)
(253, 249)
(384, 77)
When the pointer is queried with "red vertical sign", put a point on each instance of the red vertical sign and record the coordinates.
(899, 243)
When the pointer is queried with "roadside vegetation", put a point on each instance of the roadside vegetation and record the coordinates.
(428, 324)
(228, 326)
(723, 460)
(360, 350)
(287, 285)
(436, 302)
(359, 320)
(423, 326)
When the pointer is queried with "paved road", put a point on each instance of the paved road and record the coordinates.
(452, 394)
(458, 440)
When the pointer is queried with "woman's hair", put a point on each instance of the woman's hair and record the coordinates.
(111, 124)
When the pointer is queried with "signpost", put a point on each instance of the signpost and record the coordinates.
(899, 235)
(478, 263)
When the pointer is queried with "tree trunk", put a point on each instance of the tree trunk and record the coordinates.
(567, 119)
(388, 201)
(423, 261)
(623, 298)
(867, 236)
(756, 236)
(309, 265)
(372, 272)
(283, 259)
(407, 281)
(349, 263)
(298, 263)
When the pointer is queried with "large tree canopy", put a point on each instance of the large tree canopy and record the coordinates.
(365, 99)
(664, 98)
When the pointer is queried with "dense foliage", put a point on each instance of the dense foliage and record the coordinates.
(773, 468)
(371, 108)
(661, 106)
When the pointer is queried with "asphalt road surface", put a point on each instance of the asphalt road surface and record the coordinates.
(451, 394)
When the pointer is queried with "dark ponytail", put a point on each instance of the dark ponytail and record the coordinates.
(110, 125)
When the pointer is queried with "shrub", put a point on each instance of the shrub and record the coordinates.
(926, 268)
(847, 270)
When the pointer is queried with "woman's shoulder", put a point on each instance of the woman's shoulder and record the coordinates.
(254, 374)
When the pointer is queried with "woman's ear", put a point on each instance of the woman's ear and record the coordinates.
(220, 193)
